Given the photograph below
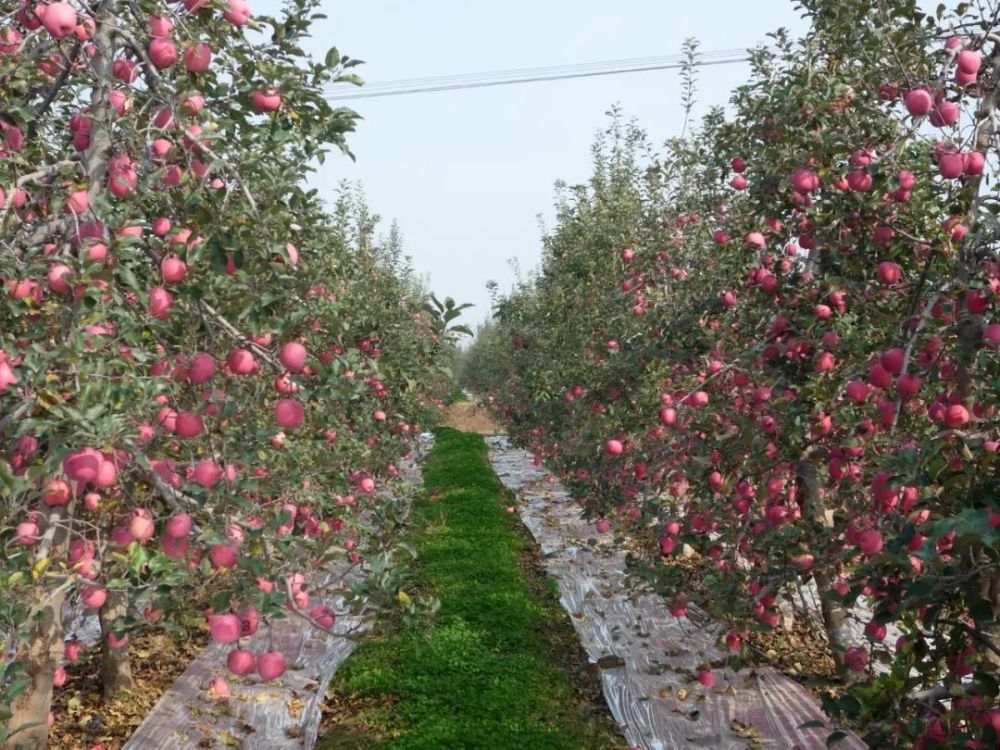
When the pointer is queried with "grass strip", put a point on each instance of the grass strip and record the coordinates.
(491, 670)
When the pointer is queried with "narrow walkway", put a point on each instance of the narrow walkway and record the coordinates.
(274, 716)
(650, 656)
(499, 667)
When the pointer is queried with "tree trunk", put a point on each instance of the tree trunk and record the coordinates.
(29, 723)
(990, 588)
(836, 617)
(116, 670)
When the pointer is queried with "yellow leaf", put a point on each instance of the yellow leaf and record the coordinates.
(404, 598)
(40, 567)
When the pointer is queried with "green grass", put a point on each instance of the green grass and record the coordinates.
(485, 673)
(457, 396)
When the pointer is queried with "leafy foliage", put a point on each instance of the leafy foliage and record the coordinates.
(772, 351)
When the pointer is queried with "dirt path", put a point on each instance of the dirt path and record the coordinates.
(469, 416)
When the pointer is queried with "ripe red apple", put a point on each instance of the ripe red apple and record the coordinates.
(803, 562)
(71, 651)
(198, 58)
(878, 376)
(56, 492)
(162, 52)
(271, 665)
(266, 101)
(892, 360)
(160, 26)
(27, 532)
(83, 465)
(889, 272)
(856, 659)
(240, 362)
(222, 555)
(805, 181)
(93, 597)
(975, 162)
(237, 12)
(825, 362)
(241, 661)
(188, 425)
(202, 369)
(293, 356)
(225, 628)
(174, 547)
(323, 615)
(160, 302)
(161, 226)
(173, 269)
(207, 472)
(969, 61)
(59, 19)
(219, 689)
(918, 102)
(78, 202)
(289, 413)
(859, 181)
(57, 277)
(951, 164)
(956, 416)
(141, 525)
(908, 385)
(870, 542)
(179, 526)
(857, 391)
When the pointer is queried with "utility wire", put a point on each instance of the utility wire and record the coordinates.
(545, 70)
(529, 75)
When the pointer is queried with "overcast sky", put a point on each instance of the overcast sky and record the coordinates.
(467, 173)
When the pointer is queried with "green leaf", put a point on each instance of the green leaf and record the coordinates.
(835, 737)
(350, 78)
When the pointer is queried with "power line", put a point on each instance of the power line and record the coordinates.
(418, 85)
(545, 70)
(531, 75)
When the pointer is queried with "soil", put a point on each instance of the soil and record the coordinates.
(469, 416)
(83, 721)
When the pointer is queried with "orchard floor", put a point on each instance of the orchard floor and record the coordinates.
(158, 658)
(649, 659)
(499, 665)
(540, 641)
(469, 416)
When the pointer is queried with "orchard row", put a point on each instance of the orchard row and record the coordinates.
(207, 377)
(773, 353)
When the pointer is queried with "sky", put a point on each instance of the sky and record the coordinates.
(467, 174)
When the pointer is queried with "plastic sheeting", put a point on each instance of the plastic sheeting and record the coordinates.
(271, 716)
(648, 657)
